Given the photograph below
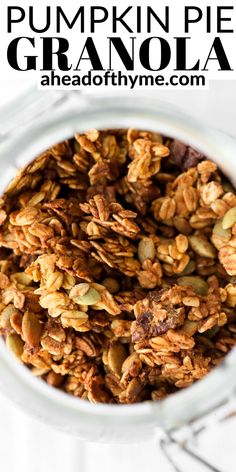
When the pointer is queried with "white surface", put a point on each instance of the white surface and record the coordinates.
(28, 446)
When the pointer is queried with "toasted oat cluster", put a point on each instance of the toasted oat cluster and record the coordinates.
(118, 266)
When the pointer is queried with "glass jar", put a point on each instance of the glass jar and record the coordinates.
(29, 125)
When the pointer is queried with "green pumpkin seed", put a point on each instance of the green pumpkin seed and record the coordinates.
(189, 327)
(190, 268)
(202, 246)
(229, 218)
(6, 315)
(116, 356)
(90, 298)
(31, 329)
(227, 186)
(212, 332)
(112, 285)
(197, 283)
(220, 236)
(15, 345)
(218, 230)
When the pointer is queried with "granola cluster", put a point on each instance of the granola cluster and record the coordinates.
(118, 266)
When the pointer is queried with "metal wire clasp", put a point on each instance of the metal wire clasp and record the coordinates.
(185, 439)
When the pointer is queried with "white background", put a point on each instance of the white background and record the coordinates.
(29, 446)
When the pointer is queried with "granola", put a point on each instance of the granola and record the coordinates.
(118, 265)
